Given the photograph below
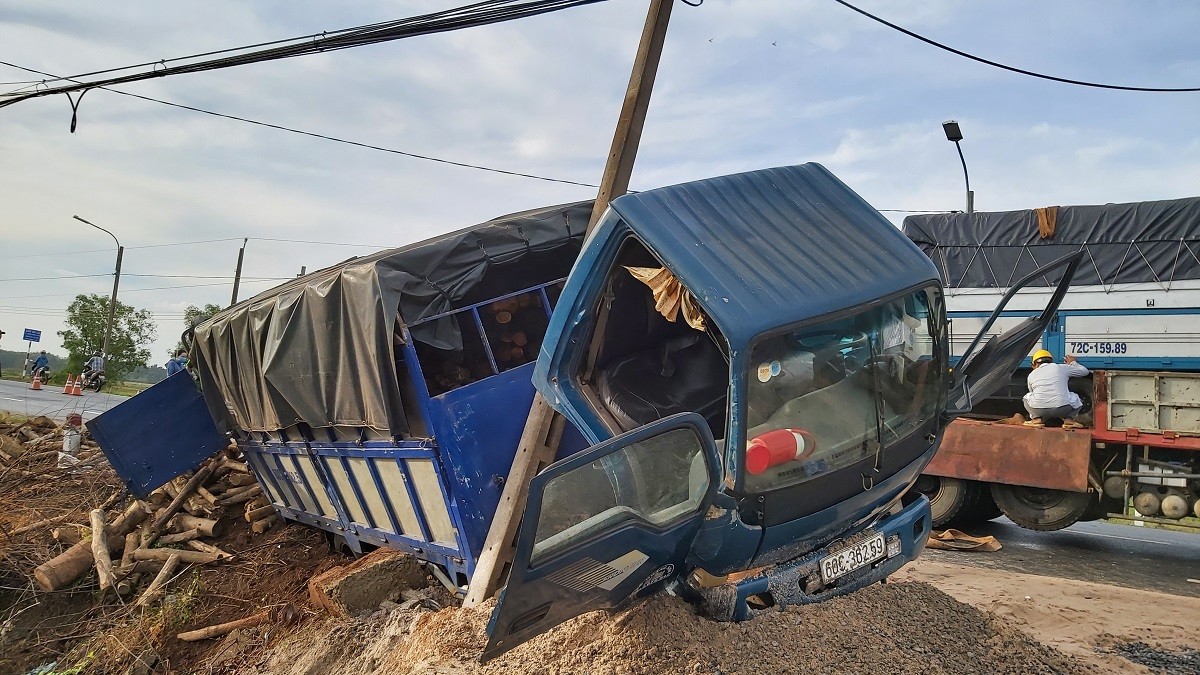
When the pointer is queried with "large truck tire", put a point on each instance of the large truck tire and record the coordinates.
(947, 497)
(980, 506)
(1039, 508)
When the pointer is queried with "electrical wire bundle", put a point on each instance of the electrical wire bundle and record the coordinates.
(467, 16)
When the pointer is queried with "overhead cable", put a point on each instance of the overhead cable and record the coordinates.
(467, 16)
(313, 134)
(995, 64)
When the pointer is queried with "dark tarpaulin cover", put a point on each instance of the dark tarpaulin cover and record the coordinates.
(1140, 242)
(319, 349)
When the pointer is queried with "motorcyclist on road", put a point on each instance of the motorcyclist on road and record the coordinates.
(94, 365)
(41, 363)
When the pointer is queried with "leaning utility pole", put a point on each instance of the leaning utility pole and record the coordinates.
(237, 274)
(544, 427)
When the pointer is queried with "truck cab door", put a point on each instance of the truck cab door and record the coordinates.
(986, 366)
(610, 523)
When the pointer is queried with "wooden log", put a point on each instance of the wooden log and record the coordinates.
(190, 557)
(100, 555)
(225, 628)
(65, 568)
(240, 479)
(236, 492)
(40, 524)
(155, 590)
(207, 526)
(250, 493)
(260, 526)
(139, 567)
(234, 465)
(258, 513)
(132, 542)
(68, 535)
(209, 548)
(126, 585)
(181, 537)
(206, 495)
(160, 521)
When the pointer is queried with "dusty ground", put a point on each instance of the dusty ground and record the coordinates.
(974, 621)
(1075, 617)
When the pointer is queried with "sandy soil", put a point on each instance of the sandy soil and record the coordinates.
(934, 617)
(1074, 617)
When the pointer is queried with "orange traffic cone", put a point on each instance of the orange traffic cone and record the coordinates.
(67, 386)
(37, 383)
(77, 390)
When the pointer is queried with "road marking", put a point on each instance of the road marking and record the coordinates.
(18, 400)
(93, 412)
(1114, 536)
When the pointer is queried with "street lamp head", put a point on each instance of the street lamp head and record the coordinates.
(82, 220)
(953, 133)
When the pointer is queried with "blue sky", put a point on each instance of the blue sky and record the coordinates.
(743, 84)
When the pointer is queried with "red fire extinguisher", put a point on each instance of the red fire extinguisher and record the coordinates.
(778, 447)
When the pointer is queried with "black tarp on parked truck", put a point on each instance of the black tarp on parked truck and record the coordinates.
(1141, 242)
(319, 349)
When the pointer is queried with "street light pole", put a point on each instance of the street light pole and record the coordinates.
(112, 301)
(954, 134)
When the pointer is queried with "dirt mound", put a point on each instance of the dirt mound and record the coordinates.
(896, 628)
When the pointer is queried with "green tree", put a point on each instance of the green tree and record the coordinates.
(133, 330)
(194, 316)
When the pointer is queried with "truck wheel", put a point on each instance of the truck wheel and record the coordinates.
(947, 496)
(1039, 508)
(980, 506)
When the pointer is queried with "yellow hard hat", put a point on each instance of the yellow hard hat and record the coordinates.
(1042, 354)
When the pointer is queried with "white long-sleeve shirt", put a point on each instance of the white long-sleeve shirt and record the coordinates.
(1048, 385)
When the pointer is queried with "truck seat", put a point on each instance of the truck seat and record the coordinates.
(686, 373)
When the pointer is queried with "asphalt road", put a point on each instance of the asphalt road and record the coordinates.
(1119, 555)
(50, 401)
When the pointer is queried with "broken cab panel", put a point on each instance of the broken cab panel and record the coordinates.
(607, 524)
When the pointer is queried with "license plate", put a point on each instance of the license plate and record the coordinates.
(852, 558)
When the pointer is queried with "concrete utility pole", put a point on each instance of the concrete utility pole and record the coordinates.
(544, 427)
(237, 273)
(112, 301)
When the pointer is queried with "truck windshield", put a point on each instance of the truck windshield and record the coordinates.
(831, 395)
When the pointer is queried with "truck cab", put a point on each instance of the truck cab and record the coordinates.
(762, 361)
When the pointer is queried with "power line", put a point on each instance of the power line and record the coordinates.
(326, 137)
(206, 276)
(69, 276)
(1002, 66)
(458, 18)
(123, 290)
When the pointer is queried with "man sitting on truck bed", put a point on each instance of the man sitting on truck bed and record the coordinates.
(1049, 395)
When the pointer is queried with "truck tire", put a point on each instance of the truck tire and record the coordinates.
(947, 497)
(1039, 508)
(980, 507)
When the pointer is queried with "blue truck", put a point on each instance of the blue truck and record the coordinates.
(754, 368)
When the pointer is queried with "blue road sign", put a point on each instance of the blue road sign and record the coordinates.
(32, 335)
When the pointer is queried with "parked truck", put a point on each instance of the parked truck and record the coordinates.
(754, 369)
(1132, 316)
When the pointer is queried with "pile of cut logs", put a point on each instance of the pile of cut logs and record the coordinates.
(151, 539)
(35, 445)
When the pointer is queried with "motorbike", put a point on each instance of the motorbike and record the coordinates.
(93, 380)
(42, 373)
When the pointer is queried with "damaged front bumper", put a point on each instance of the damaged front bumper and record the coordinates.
(801, 581)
